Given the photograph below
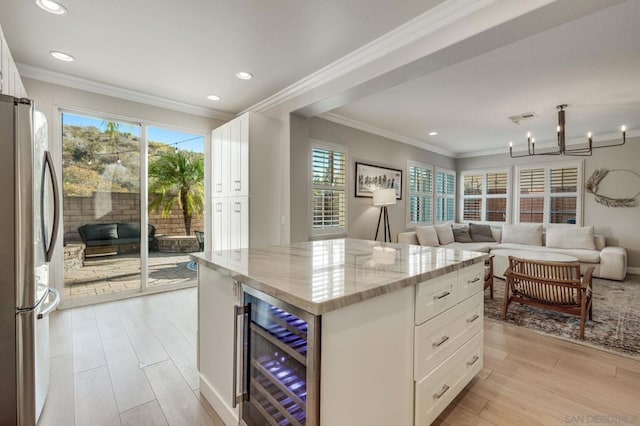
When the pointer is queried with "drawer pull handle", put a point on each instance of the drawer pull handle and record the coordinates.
(441, 296)
(218, 187)
(473, 318)
(475, 280)
(444, 390)
(441, 342)
(473, 360)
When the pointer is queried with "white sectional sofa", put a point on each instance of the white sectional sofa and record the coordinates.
(590, 250)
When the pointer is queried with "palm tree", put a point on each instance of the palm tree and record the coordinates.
(178, 177)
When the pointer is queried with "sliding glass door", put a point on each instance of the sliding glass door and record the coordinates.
(176, 205)
(133, 205)
(101, 206)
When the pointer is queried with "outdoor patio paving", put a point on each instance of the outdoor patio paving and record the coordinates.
(111, 274)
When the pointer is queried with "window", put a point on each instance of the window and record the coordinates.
(420, 199)
(445, 195)
(328, 190)
(550, 194)
(485, 195)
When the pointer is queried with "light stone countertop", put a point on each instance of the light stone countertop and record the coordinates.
(321, 276)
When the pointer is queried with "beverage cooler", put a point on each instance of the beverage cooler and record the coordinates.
(277, 366)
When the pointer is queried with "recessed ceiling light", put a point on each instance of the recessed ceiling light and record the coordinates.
(61, 56)
(51, 7)
(213, 97)
(433, 133)
(243, 75)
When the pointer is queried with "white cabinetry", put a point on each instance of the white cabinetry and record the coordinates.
(245, 182)
(448, 339)
(401, 358)
(10, 82)
(217, 297)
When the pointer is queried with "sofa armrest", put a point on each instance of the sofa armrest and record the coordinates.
(408, 238)
(613, 263)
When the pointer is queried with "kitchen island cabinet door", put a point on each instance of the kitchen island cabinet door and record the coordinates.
(217, 298)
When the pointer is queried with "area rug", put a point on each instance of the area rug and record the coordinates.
(616, 316)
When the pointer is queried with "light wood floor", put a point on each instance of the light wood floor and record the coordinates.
(133, 362)
(531, 379)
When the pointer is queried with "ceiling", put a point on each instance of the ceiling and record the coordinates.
(184, 53)
(186, 50)
(592, 64)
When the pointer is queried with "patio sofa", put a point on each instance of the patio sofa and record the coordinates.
(112, 236)
(580, 242)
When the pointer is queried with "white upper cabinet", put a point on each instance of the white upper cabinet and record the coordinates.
(245, 183)
(239, 157)
(220, 172)
(231, 158)
(10, 81)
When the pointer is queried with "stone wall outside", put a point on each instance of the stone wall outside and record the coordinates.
(118, 207)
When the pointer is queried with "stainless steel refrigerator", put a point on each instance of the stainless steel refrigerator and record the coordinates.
(29, 218)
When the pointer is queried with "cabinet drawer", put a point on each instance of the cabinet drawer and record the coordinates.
(438, 389)
(470, 280)
(435, 296)
(441, 336)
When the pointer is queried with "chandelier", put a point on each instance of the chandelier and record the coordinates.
(562, 149)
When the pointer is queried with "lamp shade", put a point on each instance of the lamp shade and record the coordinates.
(384, 197)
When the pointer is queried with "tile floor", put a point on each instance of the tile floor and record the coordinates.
(130, 362)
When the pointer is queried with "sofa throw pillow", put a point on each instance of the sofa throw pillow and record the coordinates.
(528, 234)
(427, 236)
(445, 233)
(481, 233)
(461, 235)
(571, 238)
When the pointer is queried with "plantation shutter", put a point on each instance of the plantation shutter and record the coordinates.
(420, 205)
(563, 186)
(329, 189)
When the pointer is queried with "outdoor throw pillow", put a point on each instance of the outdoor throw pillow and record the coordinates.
(461, 235)
(445, 233)
(481, 233)
(427, 236)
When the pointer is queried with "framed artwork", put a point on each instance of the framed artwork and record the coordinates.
(370, 177)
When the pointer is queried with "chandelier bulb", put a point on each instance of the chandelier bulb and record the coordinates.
(510, 144)
(589, 135)
(528, 134)
(624, 128)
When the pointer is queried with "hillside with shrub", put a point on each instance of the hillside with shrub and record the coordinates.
(90, 160)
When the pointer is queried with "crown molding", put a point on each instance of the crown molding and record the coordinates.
(48, 76)
(336, 118)
(419, 27)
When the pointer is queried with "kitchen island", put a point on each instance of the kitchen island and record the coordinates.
(338, 332)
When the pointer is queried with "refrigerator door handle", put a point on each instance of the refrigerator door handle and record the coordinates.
(51, 306)
(48, 164)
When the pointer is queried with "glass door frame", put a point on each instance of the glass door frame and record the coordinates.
(55, 145)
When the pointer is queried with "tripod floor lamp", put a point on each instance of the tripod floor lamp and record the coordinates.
(384, 198)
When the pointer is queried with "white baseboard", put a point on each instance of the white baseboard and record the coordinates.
(228, 415)
(633, 270)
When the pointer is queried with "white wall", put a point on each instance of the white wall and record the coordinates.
(620, 225)
(362, 147)
(49, 97)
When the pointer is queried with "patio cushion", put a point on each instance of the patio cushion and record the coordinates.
(104, 231)
(129, 230)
